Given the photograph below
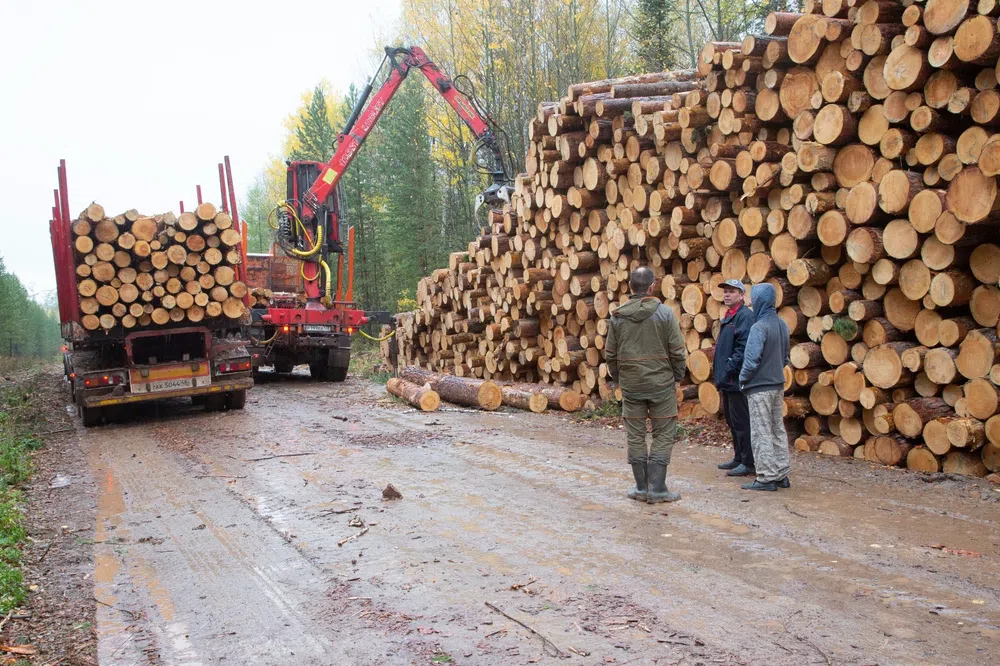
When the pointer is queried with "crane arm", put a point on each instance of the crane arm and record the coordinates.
(363, 119)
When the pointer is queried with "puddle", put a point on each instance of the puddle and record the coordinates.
(719, 523)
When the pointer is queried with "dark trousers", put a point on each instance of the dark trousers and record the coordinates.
(737, 413)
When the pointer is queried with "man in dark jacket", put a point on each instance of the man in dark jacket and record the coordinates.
(646, 355)
(762, 379)
(729, 347)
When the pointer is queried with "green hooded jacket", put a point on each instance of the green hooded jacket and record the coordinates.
(645, 350)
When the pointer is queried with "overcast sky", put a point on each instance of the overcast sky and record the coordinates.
(144, 99)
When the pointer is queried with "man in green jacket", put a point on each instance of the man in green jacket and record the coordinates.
(646, 355)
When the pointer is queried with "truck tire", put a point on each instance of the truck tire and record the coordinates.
(236, 399)
(119, 414)
(215, 402)
(91, 416)
(283, 365)
(337, 374)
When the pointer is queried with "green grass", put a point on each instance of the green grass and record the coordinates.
(19, 413)
(366, 361)
(608, 409)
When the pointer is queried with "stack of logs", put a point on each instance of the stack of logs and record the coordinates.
(136, 271)
(846, 157)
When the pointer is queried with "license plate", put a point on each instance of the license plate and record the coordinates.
(171, 384)
(316, 328)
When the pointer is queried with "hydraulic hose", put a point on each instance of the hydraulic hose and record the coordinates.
(382, 339)
(264, 342)
(329, 281)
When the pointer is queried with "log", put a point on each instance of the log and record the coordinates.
(524, 397)
(422, 397)
(977, 353)
(965, 463)
(909, 417)
(469, 392)
(891, 450)
(922, 460)
(935, 435)
(883, 365)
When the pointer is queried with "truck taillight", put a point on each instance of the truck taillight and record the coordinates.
(234, 366)
(102, 380)
(350, 330)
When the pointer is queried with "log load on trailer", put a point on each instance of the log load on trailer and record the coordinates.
(151, 307)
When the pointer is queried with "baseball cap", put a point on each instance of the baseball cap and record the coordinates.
(735, 284)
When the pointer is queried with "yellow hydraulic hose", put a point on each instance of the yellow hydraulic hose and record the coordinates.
(383, 339)
(264, 342)
(329, 281)
(315, 248)
(300, 227)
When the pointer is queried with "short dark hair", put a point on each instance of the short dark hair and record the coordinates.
(640, 280)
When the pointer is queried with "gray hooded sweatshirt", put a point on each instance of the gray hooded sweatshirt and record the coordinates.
(767, 347)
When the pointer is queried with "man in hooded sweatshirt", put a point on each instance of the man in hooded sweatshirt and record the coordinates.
(646, 355)
(762, 380)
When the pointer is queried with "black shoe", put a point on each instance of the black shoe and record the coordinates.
(783, 483)
(742, 470)
(658, 491)
(729, 465)
(757, 485)
(639, 492)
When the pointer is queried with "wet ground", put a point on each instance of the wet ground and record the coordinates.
(262, 537)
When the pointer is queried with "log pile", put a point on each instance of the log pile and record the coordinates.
(136, 271)
(849, 157)
(261, 297)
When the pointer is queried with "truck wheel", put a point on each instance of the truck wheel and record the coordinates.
(91, 416)
(236, 399)
(337, 374)
(119, 414)
(318, 371)
(283, 365)
(215, 402)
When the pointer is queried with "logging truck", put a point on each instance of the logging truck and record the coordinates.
(150, 308)
(285, 332)
(311, 316)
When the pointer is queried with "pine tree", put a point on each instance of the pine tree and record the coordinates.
(363, 208)
(652, 29)
(415, 244)
(315, 134)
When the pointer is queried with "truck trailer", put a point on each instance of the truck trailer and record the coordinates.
(134, 358)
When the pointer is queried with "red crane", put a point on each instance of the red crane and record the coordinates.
(308, 227)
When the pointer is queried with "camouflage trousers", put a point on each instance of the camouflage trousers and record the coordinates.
(634, 413)
(767, 435)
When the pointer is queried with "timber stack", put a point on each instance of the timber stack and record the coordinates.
(848, 157)
(136, 271)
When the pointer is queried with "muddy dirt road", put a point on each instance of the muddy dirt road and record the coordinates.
(232, 539)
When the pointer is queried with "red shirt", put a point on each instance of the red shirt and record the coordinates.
(731, 311)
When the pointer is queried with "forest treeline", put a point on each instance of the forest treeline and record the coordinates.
(27, 330)
(410, 192)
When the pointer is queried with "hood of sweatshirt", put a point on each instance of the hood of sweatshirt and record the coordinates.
(638, 308)
(762, 297)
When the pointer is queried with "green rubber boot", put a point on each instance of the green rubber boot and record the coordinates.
(658, 491)
(639, 472)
